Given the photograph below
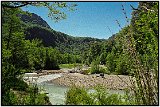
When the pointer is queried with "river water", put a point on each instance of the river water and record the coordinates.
(57, 93)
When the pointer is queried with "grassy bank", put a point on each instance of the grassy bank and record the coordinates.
(69, 65)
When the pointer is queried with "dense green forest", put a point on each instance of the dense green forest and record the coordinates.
(28, 43)
(36, 27)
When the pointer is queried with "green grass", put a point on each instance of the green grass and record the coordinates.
(69, 65)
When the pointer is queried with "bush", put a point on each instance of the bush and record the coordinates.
(39, 99)
(86, 72)
(32, 97)
(82, 96)
(9, 98)
(103, 70)
(96, 69)
(20, 85)
(104, 98)
(78, 96)
(110, 62)
(123, 66)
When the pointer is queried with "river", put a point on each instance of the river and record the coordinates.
(57, 93)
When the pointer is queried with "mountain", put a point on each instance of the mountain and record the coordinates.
(33, 19)
(36, 27)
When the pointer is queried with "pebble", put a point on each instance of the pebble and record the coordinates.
(110, 81)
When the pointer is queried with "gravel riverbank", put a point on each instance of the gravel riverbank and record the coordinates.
(109, 81)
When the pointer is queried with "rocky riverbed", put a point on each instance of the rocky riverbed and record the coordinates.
(77, 79)
(68, 79)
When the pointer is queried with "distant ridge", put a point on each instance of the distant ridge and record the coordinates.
(36, 27)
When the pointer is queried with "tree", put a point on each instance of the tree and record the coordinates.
(19, 54)
(51, 59)
(110, 62)
(103, 58)
(55, 8)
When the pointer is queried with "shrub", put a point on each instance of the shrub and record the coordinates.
(110, 62)
(104, 98)
(20, 85)
(9, 98)
(103, 70)
(94, 67)
(123, 66)
(82, 96)
(32, 97)
(78, 96)
(86, 72)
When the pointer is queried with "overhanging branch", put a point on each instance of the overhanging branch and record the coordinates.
(9, 6)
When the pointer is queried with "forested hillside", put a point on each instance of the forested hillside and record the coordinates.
(31, 18)
(36, 27)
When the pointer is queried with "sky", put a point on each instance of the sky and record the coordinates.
(90, 19)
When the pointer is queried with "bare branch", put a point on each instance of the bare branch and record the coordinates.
(133, 7)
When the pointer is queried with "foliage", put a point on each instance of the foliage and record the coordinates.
(20, 85)
(146, 60)
(20, 55)
(110, 62)
(55, 9)
(103, 58)
(78, 96)
(86, 72)
(83, 96)
(9, 98)
(123, 66)
(31, 97)
(28, 97)
(52, 57)
(63, 42)
(133, 51)
(95, 67)
(140, 43)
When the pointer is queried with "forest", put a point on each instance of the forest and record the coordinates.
(29, 44)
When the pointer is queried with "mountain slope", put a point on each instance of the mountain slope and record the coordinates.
(31, 18)
(36, 27)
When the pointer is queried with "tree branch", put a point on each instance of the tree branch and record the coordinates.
(9, 6)
(133, 8)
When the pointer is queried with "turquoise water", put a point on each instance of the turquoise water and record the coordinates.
(56, 93)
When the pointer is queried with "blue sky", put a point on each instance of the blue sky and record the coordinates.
(91, 19)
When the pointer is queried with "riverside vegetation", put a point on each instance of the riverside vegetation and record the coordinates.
(26, 47)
